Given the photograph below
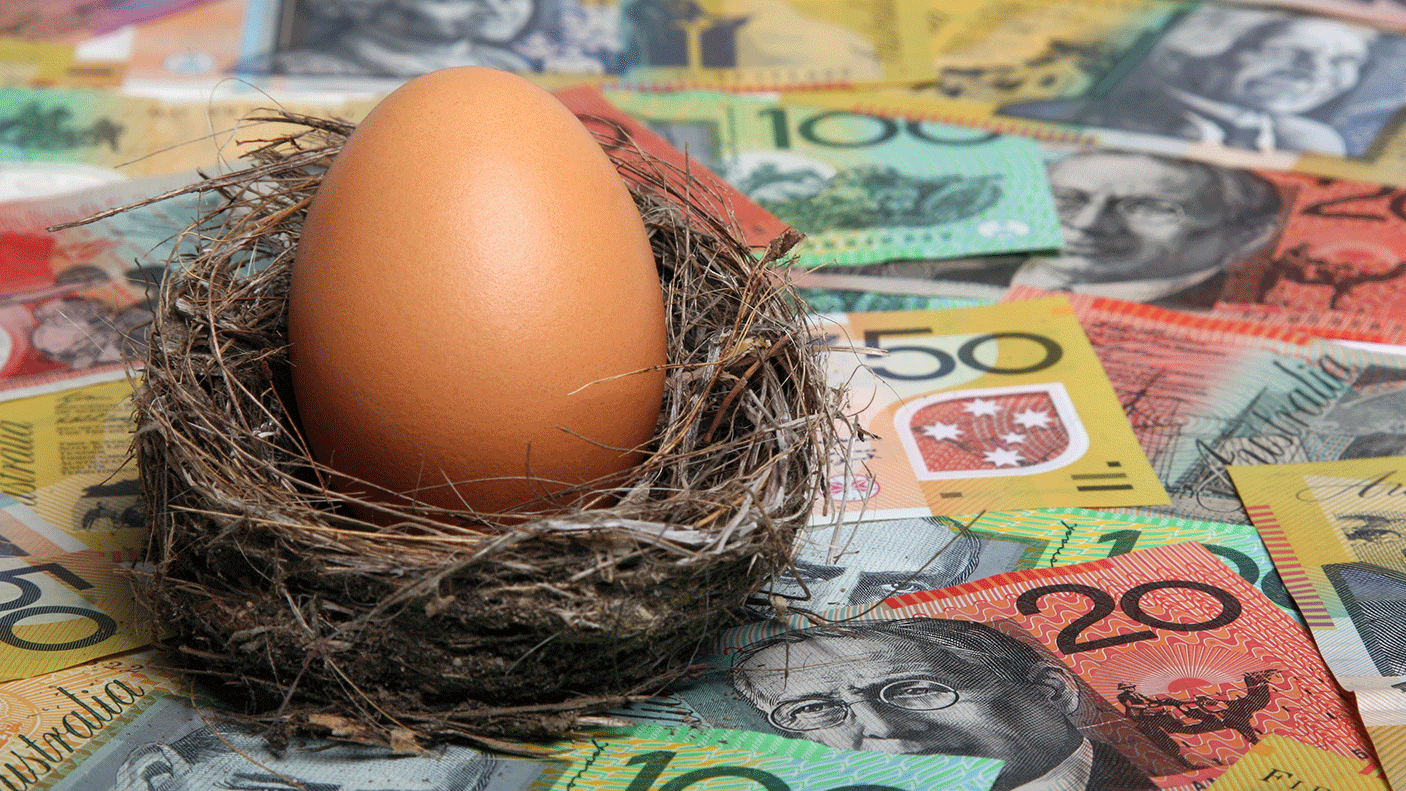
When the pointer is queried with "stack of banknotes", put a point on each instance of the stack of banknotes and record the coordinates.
(1117, 289)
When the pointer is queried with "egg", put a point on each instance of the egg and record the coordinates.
(475, 318)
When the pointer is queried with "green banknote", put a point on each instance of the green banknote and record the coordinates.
(864, 189)
(855, 564)
(647, 758)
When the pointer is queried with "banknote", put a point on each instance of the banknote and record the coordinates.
(1383, 714)
(1236, 86)
(622, 136)
(28, 63)
(1388, 14)
(1259, 80)
(1279, 762)
(992, 53)
(653, 757)
(57, 720)
(1335, 531)
(75, 302)
(134, 136)
(834, 300)
(130, 724)
(1203, 394)
(1156, 668)
(71, 19)
(1342, 248)
(771, 44)
(63, 610)
(1365, 329)
(863, 188)
(904, 278)
(1135, 226)
(858, 563)
(351, 49)
(1000, 407)
(65, 472)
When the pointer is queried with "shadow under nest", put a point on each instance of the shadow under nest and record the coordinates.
(307, 619)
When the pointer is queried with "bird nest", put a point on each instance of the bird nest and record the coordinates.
(308, 618)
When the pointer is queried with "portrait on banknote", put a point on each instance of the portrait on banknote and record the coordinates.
(1136, 226)
(934, 685)
(839, 565)
(406, 38)
(1250, 79)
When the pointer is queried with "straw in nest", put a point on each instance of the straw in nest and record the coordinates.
(311, 619)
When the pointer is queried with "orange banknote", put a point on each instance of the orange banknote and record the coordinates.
(1159, 668)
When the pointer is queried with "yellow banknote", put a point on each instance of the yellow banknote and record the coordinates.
(138, 136)
(1336, 531)
(1383, 713)
(54, 721)
(1278, 762)
(996, 51)
(994, 408)
(64, 468)
(61, 610)
(770, 44)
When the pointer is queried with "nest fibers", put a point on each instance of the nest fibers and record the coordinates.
(312, 619)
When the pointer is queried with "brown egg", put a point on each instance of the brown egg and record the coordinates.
(473, 301)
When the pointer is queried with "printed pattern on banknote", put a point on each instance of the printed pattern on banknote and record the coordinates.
(1163, 654)
(854, 563)
(996, 407)
(864, 189)
(1181, 380)
(1335, 531)
(771, 44)
(1343, 248)
(653, 757)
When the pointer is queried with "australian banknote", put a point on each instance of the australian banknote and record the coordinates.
(1386, 14)
(998, 407)
(1203, 394)
(859, 563)
(1342, 248)
(655, 757)
(64, 464)
(118, 723)
(1335, 532)
(864, 189)
(134, 136)
(66, 20)
(74, 303)
(1234, 85)
(1383, 714)
(1277, 760)
(1162, 656)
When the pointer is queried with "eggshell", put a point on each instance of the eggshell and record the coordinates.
(474, 302)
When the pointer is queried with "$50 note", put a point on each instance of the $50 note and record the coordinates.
(992, 408)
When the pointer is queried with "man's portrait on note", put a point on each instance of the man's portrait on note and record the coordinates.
(1373, 588)
(1251, 79)
(923, 686)
(407, 38)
